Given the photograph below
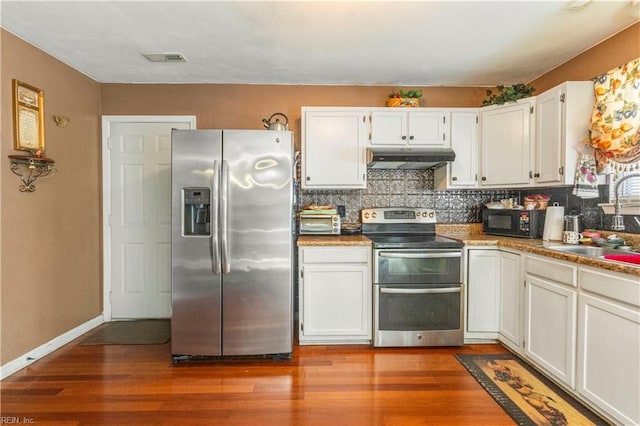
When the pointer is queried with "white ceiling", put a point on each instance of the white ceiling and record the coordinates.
(397, 43)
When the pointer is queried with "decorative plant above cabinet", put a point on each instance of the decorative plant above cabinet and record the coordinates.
(508, 94)
(400, 98)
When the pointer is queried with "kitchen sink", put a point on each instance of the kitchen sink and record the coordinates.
(589, 251)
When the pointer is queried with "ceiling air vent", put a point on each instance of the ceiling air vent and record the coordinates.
(164, 57)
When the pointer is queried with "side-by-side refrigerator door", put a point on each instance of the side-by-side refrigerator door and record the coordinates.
(256, 234)
(195, 254)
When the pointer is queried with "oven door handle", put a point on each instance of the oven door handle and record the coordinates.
(420, 290)
(432, 255)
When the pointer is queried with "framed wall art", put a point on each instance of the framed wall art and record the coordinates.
(28, 117)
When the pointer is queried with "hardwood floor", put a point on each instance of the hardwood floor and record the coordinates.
(321, 385)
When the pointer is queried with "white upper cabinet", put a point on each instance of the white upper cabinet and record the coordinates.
(334, 148)
(463, 171)
(408, 127)
(563, 116)
(505, 147)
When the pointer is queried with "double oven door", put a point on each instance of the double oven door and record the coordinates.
(418, 297)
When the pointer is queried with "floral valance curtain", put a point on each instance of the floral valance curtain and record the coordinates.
(615, 123)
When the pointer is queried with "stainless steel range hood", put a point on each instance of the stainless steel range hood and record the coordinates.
(409, 158)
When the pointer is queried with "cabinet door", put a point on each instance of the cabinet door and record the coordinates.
(336, 301)
(510, 299)
(389, 127)
(548, 151)
(550, 326)
(483, 291)
(333, 149)
(563, 115)
(506, 144)
(463, 172)
(608, 354)
(400, 127)
(427, 128)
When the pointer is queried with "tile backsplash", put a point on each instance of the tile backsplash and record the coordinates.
(415, 188)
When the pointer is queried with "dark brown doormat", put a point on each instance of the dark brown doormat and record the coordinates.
(527, 396)
(135, 332)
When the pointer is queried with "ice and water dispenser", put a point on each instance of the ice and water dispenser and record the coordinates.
(197, 206)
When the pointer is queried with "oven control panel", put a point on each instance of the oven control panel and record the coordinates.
(398, 215)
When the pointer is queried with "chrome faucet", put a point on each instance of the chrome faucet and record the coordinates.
(618, 220)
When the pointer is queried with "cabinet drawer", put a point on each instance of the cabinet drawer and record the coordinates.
(620, 287)
(557, 271)
(335, 255)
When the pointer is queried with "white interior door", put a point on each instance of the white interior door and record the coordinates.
(138, 210)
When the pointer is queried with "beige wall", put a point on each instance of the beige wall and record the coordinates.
(51, 239)
(244, 106)
(51, 249)
(611, 53)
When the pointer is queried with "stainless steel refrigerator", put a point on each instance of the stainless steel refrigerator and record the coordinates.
(232, 243)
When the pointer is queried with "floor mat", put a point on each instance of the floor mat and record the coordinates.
(527, 396)
(135, 332)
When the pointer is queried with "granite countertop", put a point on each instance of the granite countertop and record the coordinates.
(471, 235)
(538, 246)
(333, 240)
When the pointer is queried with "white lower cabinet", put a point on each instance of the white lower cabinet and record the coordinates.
(550, 317)
(483, 294)
(608, 373)
(579, 325)
(335, 294)
(550, 327)
(511, 285)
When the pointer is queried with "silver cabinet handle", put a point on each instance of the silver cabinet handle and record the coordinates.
(215, 243)
(420, 290)
(224, 217)
(432, 255)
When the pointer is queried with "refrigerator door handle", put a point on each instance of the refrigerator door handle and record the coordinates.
(215, 212)
(224, 216)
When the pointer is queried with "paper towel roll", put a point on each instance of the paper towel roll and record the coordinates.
(553, 223)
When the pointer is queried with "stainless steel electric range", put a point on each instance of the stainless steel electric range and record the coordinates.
(417, 279)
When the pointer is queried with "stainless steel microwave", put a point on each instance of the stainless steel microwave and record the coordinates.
(322, 224)
(513, 223)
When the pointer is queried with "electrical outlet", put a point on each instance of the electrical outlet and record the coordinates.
(342, 212)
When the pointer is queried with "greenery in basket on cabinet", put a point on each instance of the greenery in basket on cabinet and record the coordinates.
(408, 94)
(508, 94)
(401, 98)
